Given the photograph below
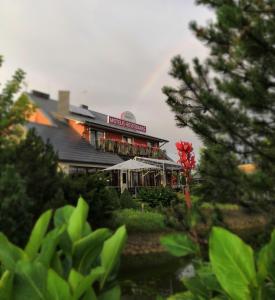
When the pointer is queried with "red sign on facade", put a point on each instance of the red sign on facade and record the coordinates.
(126, 124)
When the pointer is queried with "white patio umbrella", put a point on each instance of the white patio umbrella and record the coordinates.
(132, 165)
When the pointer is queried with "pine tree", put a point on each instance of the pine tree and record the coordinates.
(229, 99)
(37, 164)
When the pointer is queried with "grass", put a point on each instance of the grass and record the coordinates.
(221, 206)
(138, 221)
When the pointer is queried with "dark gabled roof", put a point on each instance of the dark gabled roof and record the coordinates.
(49, 107)
(71, 147)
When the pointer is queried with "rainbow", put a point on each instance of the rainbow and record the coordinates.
(160, 69)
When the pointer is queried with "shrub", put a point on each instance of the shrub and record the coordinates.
(158, 196)
(69, 262)
(15, 217)
(138, 221)
(127, 200)
(93, 188)
(175, 215)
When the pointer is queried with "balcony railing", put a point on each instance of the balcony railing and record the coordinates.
(127, 149)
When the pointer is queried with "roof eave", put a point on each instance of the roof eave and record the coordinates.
(126, 131)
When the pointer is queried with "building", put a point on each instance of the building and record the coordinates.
(87, 141)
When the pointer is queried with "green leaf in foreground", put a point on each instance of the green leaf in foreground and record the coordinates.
(179, 244)
(77, 222)
(9, 253)
(38, 233)
(58, 288)
(113, 293)
(30, 281)
(111, 252)
(233, 264)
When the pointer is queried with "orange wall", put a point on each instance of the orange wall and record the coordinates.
(81, 129)
(40, 118)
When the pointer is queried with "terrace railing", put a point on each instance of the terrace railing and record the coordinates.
(128, 149)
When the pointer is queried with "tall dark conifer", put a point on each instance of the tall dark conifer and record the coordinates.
(229, 99)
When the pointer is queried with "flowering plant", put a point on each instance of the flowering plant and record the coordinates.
(188, 163)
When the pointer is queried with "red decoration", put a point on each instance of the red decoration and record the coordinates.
(188, 163)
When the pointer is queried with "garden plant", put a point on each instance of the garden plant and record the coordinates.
(234, 271)
(63, 259)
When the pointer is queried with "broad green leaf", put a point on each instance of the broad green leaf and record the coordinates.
(38, 233)
(30, 281)
(182, 296)
(58, 288)
(90, 295)
(66, 243)
(113, 293)
(233, 264)
(179, 244)
(9, 253)
(87, 249)
(196, 286)
(208, 278)
(62, 215)
(77, 222)
(6, 285)
(266, 260)
(111, 251)
(81, 284)
(57, 265)
(262, 263)
(49, 245)
(74, 279)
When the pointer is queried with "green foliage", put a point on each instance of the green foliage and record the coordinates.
(102, 200)
(234, 271)
(221, 206)
(228, 250)
(15, 218)
(138, 221)
(13, 113)
(127, 200)
(175, 215)
(179, 245)
(158, 196)
(69, 262)
(37, 164)
(228, 99)
(221, 182)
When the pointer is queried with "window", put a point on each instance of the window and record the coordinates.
(127, 139)
(124, 178)
(73, 170)
(95, 137)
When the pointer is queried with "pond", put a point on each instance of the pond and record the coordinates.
(143, 277)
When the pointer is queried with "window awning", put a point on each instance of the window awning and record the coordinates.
(132, 165)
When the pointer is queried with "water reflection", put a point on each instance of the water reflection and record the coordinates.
(144, 278)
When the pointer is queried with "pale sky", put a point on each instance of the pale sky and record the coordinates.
(113, 55)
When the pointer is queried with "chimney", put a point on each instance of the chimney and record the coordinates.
(84, 106)
(63, 104)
